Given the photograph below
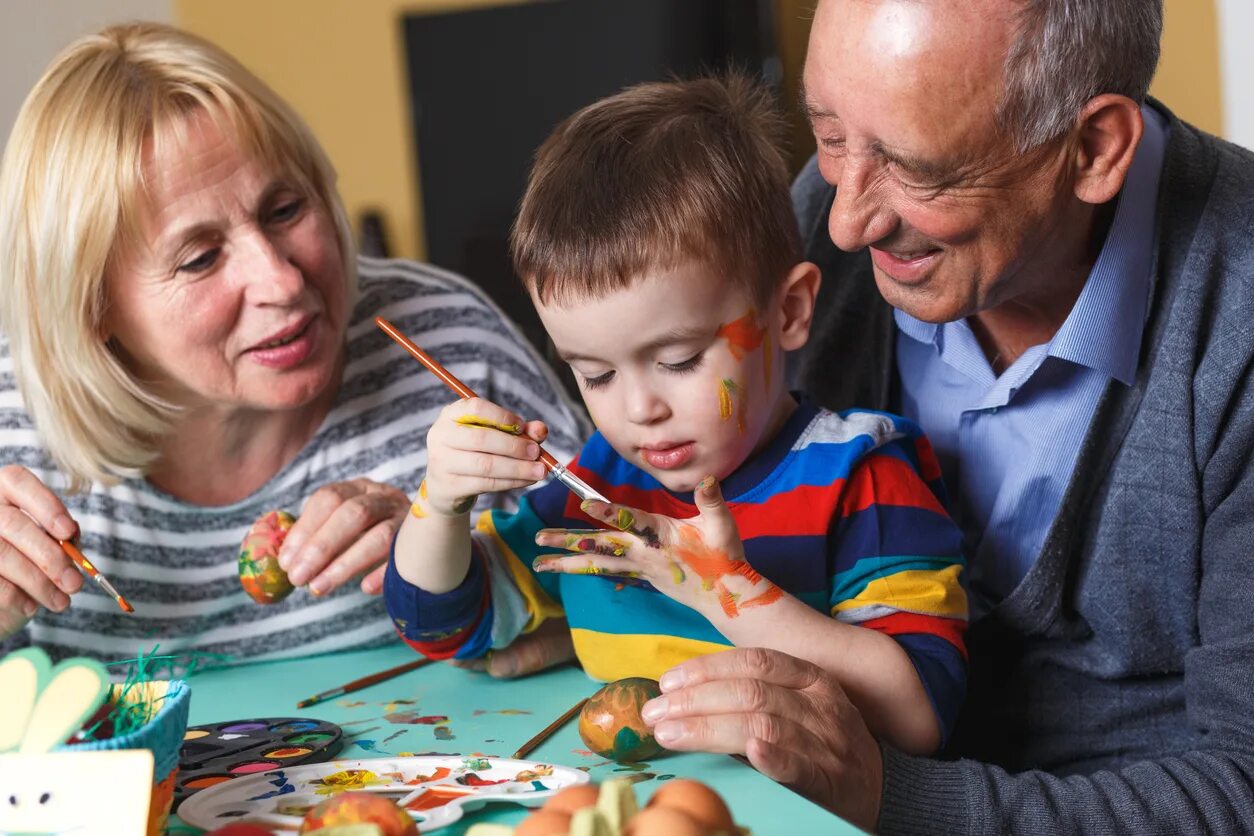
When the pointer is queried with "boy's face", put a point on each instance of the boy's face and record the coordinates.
(679, 371)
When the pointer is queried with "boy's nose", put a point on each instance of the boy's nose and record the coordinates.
(646, 407)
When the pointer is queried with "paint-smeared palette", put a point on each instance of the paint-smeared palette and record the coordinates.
(435, 789)
(220, 752)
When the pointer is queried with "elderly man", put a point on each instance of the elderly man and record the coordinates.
(1055, 277)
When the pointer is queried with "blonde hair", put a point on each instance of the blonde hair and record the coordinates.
(72, 192)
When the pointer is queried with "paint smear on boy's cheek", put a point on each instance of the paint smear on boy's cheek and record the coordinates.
(731, 398)
(716, 569)
(743, 335)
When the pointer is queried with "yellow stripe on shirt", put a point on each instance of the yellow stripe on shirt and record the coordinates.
(927, 592)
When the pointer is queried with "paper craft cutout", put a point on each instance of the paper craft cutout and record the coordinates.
(436, 790)
(106, 792)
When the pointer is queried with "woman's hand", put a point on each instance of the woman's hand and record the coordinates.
(34, 571)
(699, 561)
(790, 718)
(477, 447)
(344, 530)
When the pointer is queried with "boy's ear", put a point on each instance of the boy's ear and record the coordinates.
(796, 304)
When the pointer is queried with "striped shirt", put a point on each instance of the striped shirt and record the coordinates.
(176, 562)
(1008, 445)
(841, 511)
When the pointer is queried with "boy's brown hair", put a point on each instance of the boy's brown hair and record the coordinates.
(654, 176)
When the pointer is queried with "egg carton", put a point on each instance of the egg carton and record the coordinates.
(612, 815)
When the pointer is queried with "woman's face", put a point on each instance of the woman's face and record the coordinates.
(236, 297)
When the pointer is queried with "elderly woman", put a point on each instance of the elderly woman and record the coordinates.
(187, 344)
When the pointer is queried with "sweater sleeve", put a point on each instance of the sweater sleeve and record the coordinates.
(897, 565)
(1207, 790)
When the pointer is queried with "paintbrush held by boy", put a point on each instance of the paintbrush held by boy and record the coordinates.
(657, 240)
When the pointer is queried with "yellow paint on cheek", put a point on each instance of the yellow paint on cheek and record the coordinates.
(725, 391)
(476, 421)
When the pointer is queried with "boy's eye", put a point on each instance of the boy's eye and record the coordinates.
(685, 365)
(596, 382)
(200, 263)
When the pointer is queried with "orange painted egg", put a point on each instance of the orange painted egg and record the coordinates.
(610, 723)
(259, 571)
(360, 808)
(695, 800)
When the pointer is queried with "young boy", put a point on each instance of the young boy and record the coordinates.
(657, 240)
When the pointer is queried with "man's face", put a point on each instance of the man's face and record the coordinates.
(902, 96)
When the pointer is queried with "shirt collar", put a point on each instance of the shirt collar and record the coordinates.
(1103, 330)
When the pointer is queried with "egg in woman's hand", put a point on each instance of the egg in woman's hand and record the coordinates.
(259, 571)
(696, 800)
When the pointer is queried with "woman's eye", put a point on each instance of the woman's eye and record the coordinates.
(688, 365)
(287, 211)
(200, 263)
(598, 381)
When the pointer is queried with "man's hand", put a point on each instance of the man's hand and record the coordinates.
(789, 717)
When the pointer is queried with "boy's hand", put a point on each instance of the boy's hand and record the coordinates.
(477, 447)
(699, 561)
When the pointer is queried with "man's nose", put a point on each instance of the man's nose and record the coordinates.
(860, 213)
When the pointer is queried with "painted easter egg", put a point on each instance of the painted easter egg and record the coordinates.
(350, 808)
(610, 722)
(259, 571)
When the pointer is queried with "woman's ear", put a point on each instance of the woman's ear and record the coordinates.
(796, 297)
(1110, 129)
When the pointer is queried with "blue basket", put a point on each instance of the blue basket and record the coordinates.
(162, 735)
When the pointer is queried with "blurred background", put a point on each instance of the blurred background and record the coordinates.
(430, 109)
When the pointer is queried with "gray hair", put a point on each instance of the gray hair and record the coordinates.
(1068, 51)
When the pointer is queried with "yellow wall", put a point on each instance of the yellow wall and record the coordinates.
(341, 65)
(1188, 79)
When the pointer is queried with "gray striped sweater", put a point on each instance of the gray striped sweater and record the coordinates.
(176, 562)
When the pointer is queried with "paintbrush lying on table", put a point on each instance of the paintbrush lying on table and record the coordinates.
(577, 486)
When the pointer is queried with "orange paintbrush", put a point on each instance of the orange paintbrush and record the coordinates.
(576, 485)
(92, 572)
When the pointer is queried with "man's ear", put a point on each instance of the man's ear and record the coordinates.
(1110, 129)
(796, 296)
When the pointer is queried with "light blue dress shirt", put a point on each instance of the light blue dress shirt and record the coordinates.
(1007, 445)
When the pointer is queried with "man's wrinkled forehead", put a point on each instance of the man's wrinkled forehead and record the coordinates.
(908, 71)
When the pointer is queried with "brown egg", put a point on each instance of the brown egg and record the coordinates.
(696, 800)
(663, 821)
(544, 823)
(573, 798)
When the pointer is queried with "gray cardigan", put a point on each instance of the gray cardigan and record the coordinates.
(1113, 690)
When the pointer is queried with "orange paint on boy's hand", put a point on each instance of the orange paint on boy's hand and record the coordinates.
(714, 566)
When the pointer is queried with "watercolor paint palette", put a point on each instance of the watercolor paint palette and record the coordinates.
(217, 753)
(435, 789)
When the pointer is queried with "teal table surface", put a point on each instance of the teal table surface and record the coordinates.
(485, 716)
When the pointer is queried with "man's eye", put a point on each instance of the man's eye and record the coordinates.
(688, 365)
(598, 381)
(200, 263)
